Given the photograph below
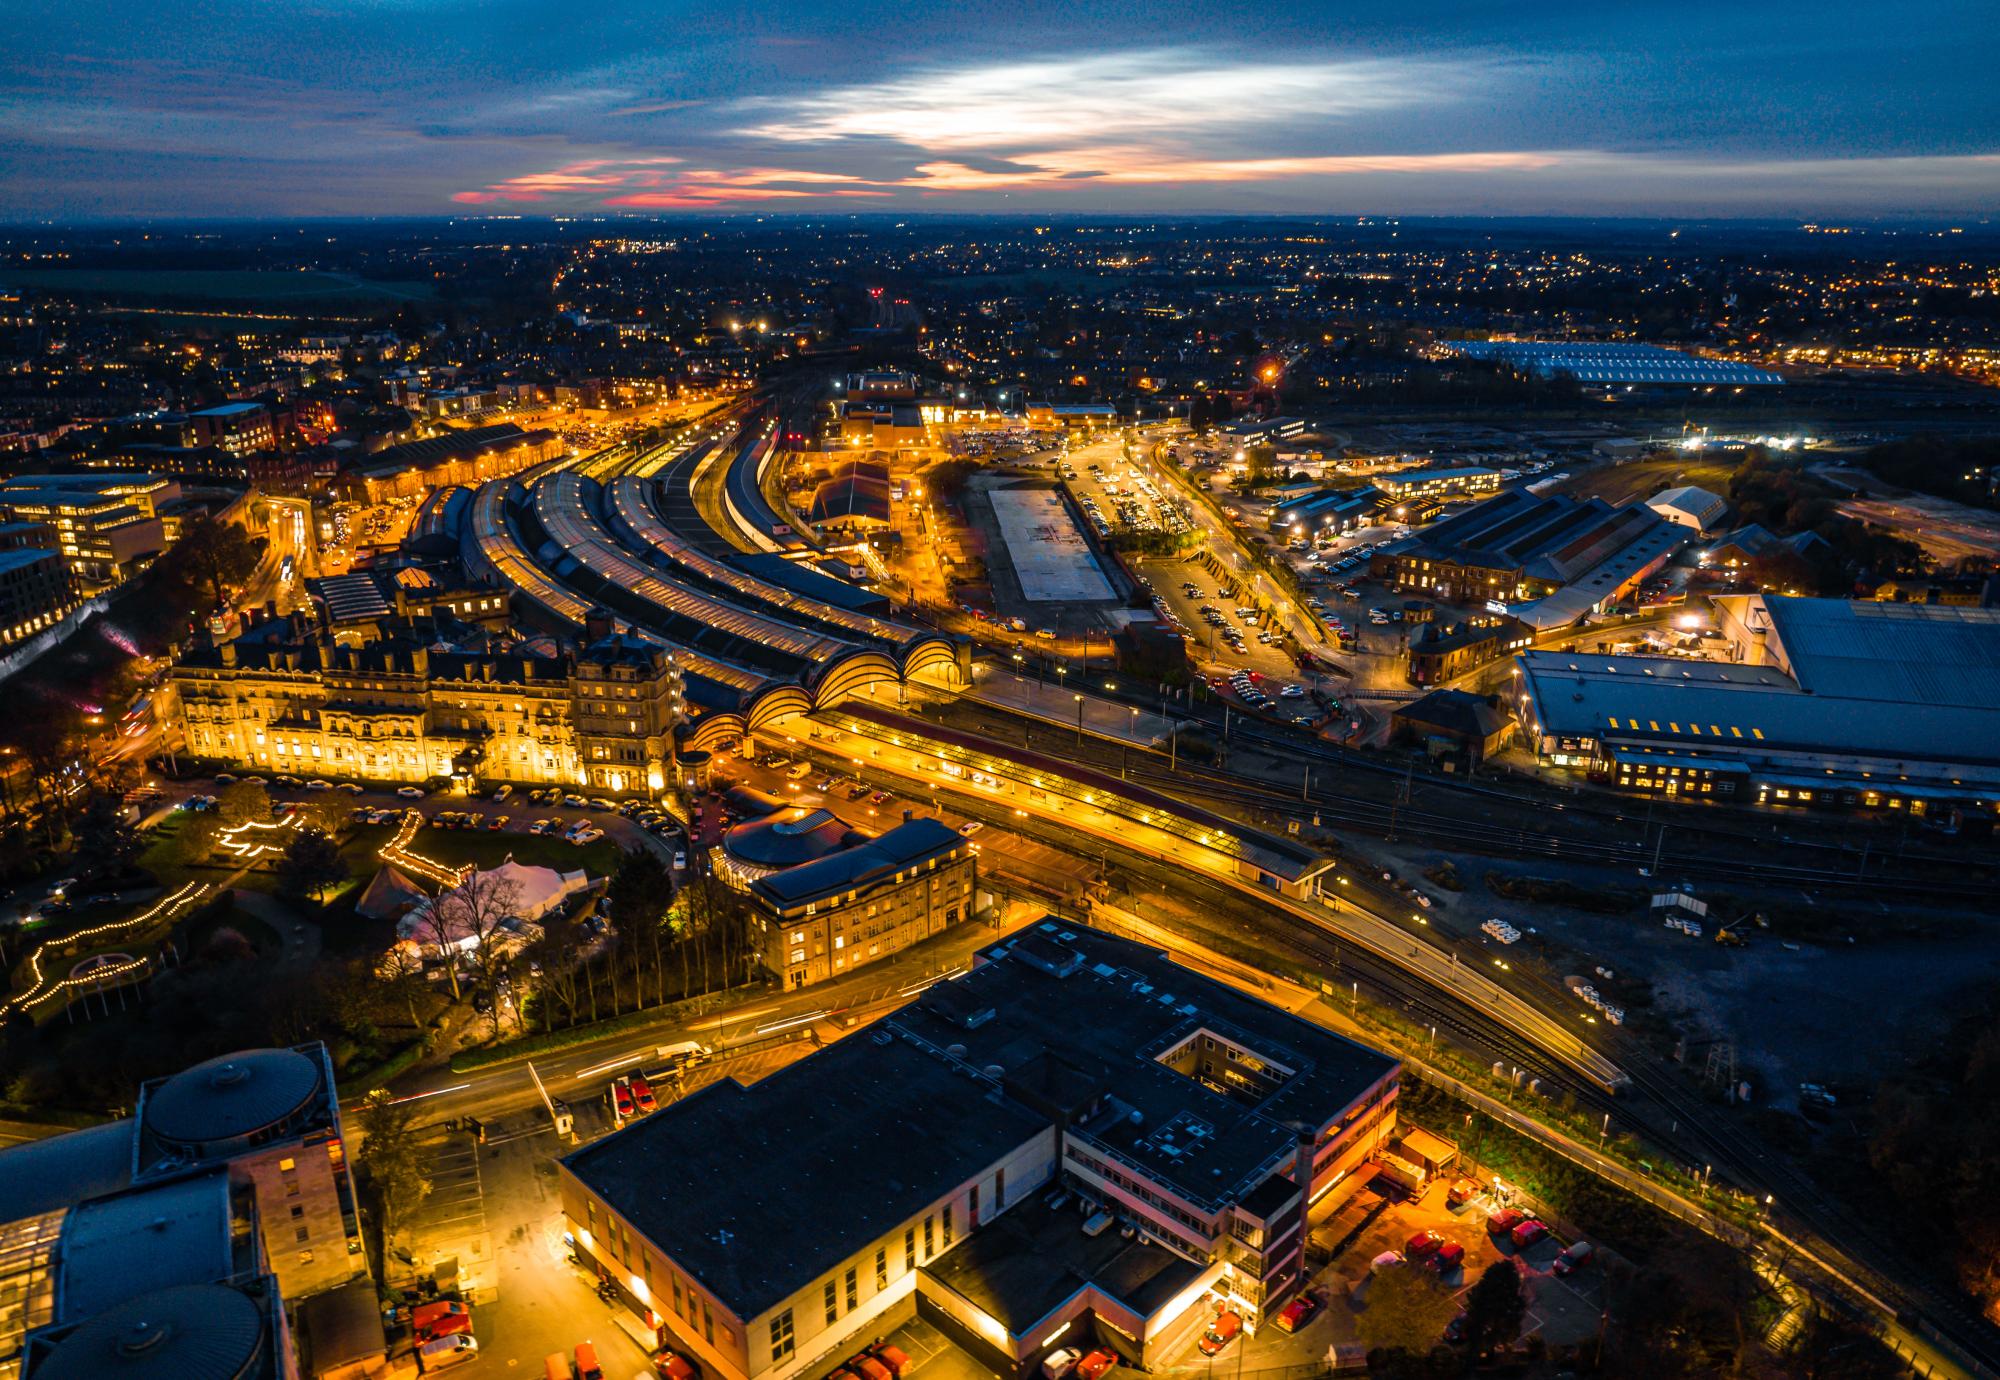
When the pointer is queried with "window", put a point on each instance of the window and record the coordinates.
(853, 1289)
(781, 1336)
(298, 1211)
(910, 1249)
(303, 1234)
(708, 1325)
(305, 1257)
(1000, 1189)
(930, 1241)
(972, 1208)
(832, 1304)
(881, 1267)
(677, 1293)
(947, 1225)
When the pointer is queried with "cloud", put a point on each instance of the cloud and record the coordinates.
(1050, 100)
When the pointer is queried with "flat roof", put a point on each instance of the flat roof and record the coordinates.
(1076, 1012)
(757, 1191)
(1709, 707)
(1026, 1263)
(115, 1248)
(17, 557)
(1915, 654)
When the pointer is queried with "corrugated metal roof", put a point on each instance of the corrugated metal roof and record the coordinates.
(1930, 654)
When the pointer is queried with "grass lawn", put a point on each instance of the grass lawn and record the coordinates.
(1642, 478)
(485, 848)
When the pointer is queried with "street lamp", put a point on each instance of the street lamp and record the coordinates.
(1079, 719)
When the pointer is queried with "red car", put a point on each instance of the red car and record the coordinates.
(621, 1098)
(441, 1318)
(1298, 1312)
(671, 1365)
(1422, 1244)
(642, 1094)
(1460, 1193)
(1528, 1233)
(1094, 1364)
(1449, 1257)
(1504, 1221)
(1220, 1333)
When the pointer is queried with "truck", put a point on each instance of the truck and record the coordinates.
(1396, 1172)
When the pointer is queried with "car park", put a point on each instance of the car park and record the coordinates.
(1422, 1244)
(1059, 1363)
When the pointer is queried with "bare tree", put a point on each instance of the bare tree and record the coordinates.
(469, 922)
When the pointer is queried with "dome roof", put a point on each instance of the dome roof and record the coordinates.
(231, 1096)
(788, 838)
(186, 1332)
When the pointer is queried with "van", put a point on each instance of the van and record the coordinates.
(800, 771)
(556, 1367)
(448, 1351)
(686, 1053)
(586, 1363)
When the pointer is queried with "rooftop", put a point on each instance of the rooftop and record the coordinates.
(910, 844)
(867, 1134)
(1914, 654)
(1022, 1266)
(63, 1170)
(144, 1239)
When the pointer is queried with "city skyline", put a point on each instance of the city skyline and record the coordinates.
(421, 107)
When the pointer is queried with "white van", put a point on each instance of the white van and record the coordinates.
(685, 1053)
(448, 1351)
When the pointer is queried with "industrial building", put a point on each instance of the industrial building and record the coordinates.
(1453, 480)
(1600, 363)
(229, 1185)
(1688, 506)
(1078, 1137)
(1830, 703)
(1549, 559)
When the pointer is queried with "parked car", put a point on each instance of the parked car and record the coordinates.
(1059, 1363)
(1528, 1233)
(1461, 1192)
(621, 1097)
(448, 1351)
(880, 798)
(1449, 1257)
(642, 1095)
(1095, 1364)
(586, 835)
(1574, 1257)
(1298, 1312)
(1220, 1333)
(498, 821)
(318, 785)
(542, 826)
(1504, 1221)
(970, 827)
(410, 792)
(1422, 1244)
(671, 1365)
(502, 791)
(351, 787)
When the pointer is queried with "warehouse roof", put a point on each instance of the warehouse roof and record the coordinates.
(1911, 654)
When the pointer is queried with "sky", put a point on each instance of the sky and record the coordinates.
(285, 109)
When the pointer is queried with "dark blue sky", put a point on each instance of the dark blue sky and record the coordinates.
(115, 108)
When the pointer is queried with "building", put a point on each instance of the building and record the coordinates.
(854, 499)
(1452, 722)
(1830, 704)
(1454, 480)
(37, 590)
(912, 1170)
(1442, 652)
(1072, 416)
(1688, 506)
(457, 457)
(1334, 514)
(881, 425)
(1603, 364)
(107, 524)
(236, 428)
(863, 900)
(235, 1167)
(359, 606)
(407, 706)
(1547, 559)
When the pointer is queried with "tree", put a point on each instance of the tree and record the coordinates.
(1494, 1307)
(637, 900)
(214, 557)
(312, 863)
(467, 924)
(1404, 1311)
(199, 832)
(390, 1164)
(106, 842)
(243, 802)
